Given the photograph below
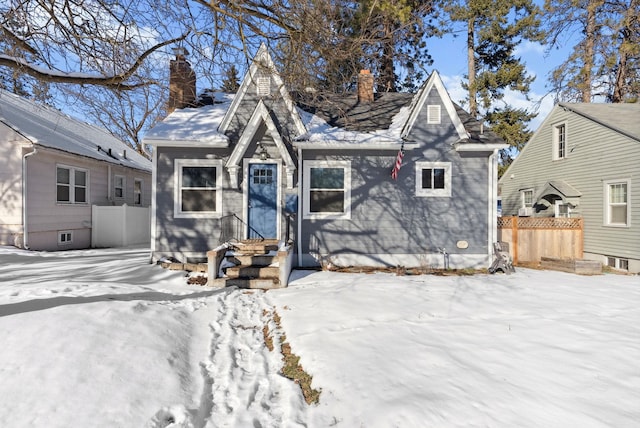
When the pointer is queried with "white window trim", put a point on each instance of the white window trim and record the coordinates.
(306, 177)
(62, 233)
(556, 208)
(522, 198)
(115, 186)
(72, 193)
(177, 186)
(431, 193)
(607, 212)
(141, 181)
(434, 114)
(556, 141)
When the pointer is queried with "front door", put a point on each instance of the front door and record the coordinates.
(263, 197)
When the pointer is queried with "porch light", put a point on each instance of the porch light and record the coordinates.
(262, 151)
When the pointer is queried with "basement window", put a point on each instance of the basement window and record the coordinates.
(617, 263)
(65, 237)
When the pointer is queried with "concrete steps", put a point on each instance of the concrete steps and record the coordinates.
(257, 265)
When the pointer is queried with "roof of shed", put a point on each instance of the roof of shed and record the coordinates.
(48, 127)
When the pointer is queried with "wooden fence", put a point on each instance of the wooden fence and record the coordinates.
(531, 238)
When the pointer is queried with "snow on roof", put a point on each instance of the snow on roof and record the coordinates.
(319, 131)
(196, 125)
(378, 125)
(48, 127)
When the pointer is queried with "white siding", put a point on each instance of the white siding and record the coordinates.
(46, 217)
(10, 185)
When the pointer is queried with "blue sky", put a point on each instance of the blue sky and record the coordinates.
(450, 60)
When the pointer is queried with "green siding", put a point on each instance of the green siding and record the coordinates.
(595, 154)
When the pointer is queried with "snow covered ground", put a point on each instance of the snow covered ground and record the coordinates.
(101, 338)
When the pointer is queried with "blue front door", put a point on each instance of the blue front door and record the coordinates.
(263, 195)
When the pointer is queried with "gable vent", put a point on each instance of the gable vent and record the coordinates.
(263, 86)
(433, 114)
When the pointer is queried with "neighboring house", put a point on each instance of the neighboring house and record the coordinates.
(53, 168)
(584, 160)
(264, 156)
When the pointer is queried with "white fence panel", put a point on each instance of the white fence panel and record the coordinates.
(119, 226)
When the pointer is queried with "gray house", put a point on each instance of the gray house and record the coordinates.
(584, 160)
(366, 179)
(53, 169)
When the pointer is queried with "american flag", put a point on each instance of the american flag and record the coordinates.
(398, 165)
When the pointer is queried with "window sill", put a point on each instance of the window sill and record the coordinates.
(326, 216)
(617, 226)
(434, 194)
(197, 215)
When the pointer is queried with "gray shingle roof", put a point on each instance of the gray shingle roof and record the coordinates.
(623, 118)
(344, 111)
(48, 127)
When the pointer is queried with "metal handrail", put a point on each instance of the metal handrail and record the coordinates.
(289, 216)
(231, 231)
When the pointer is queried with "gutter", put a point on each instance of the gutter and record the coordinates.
(25, 235)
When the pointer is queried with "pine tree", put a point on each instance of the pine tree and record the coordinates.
(231, 81)
(494, 28)
(510, 124)
(605, 62)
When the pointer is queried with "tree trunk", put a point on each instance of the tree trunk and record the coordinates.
(626, 32)
(471, 64)
(589, 51)
(388, 77)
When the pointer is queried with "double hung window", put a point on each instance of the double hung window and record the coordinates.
(119, 186)
(137, 191)
(71, 185)
(527, 198)
(560, 141)
(198, 188)
(616, 203)
(327, 185)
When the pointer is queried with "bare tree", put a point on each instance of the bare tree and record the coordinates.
(95, 50)
(605, 61)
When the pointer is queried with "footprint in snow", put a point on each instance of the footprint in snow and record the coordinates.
(171, 417)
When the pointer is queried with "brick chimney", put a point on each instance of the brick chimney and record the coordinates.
(182, 81)
(365, 86)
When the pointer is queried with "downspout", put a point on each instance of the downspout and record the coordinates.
(109, 197)
(300, 202)
(493, 201)
(152, 209)
(25, 243)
